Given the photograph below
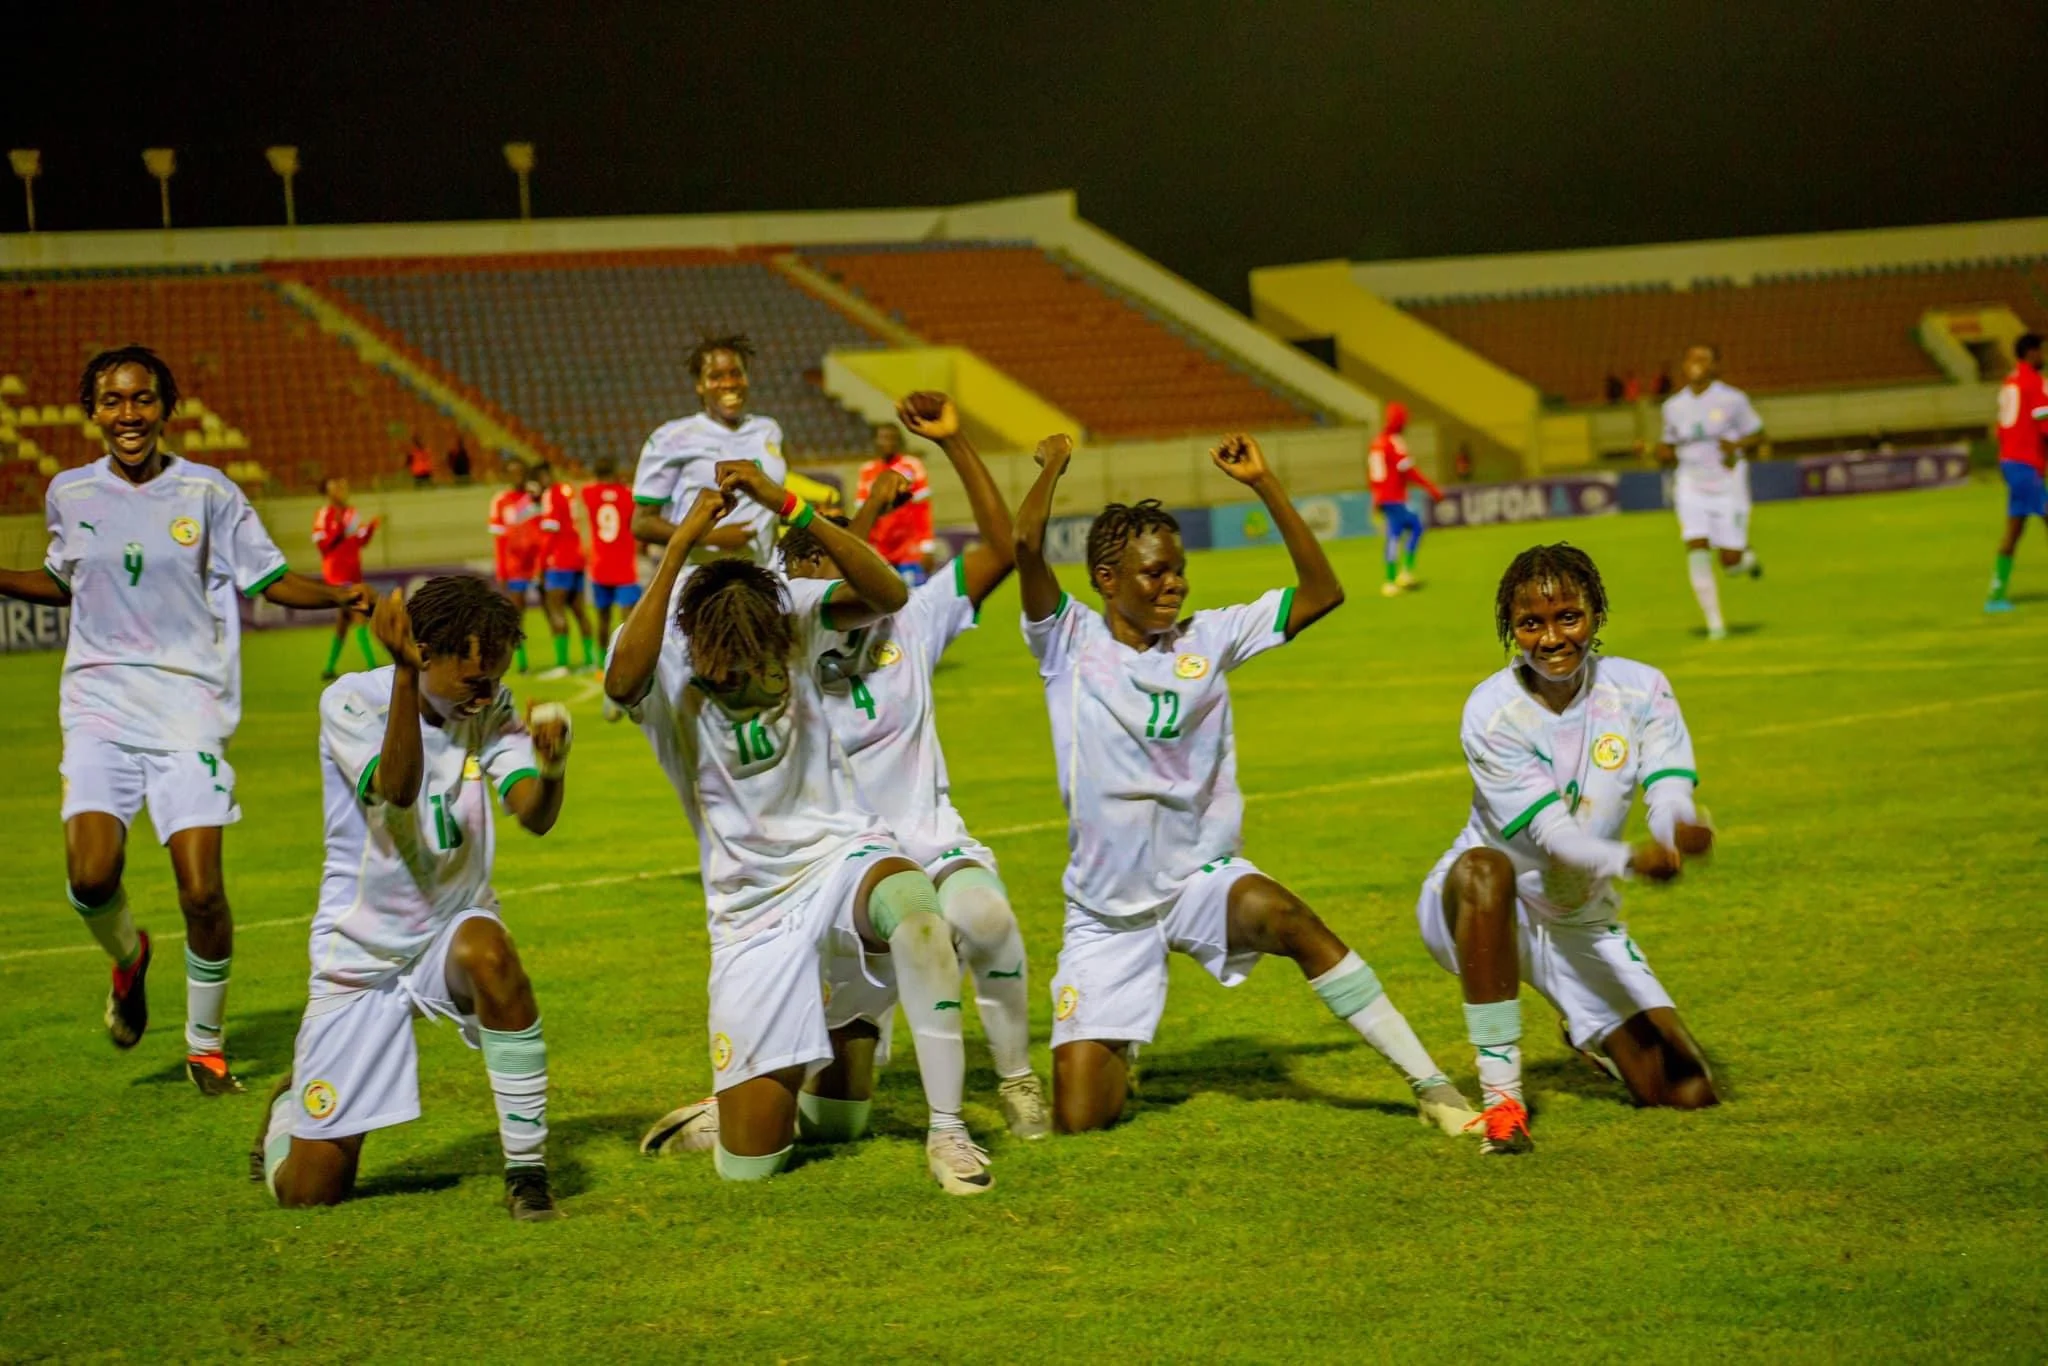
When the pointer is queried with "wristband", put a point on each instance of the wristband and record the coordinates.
(803, 518)
(789, 506)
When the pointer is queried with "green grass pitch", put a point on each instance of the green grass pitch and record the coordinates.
(1864, 960)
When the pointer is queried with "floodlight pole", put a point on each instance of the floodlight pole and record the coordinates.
(28, 164)
(162, 162)
(285, 161)
(519, 156)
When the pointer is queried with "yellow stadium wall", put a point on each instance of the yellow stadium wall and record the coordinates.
(1000, 413)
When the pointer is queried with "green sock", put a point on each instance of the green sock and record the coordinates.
(333, 654)
(561, 652)
(519, 655)
(2001, 575)
(1409, 559)
(589, 653)
(363, 641)
(1392, 568)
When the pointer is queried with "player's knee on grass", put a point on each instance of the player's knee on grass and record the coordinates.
(318, 1173)
(850, 1075)
(1090, 1083)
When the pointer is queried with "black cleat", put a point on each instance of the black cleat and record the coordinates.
(128, 1001)
(527, 1197)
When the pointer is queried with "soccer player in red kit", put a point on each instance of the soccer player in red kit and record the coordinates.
(614, 560)
(562, 579)
(515, 532)
(2022, 457)
(903, 535)
(341, 536)
(1390, 471)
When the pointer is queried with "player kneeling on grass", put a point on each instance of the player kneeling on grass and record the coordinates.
(1147, 764)
(1557, 743)
(797, 868)
(410, 757)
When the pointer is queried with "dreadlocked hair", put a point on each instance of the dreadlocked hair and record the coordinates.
(736, 343)
(132, 354)
(1116, 524)
(736, 617)
(1549, 567)
(447, 611)
(799, 544)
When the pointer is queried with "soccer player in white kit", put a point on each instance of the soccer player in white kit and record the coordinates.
(149, 551)
(1147, 762)
(1558, 742)
(1709, 430)
(723, 677)
(411, 756)
(681, 458)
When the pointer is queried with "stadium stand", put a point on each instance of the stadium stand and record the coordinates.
(269, 396)
(1115, 365)
(1792, 332)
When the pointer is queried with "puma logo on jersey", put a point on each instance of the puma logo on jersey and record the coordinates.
(87, 526)
(945, 1005)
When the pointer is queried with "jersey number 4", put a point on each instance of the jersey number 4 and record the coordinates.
(863, 699)
(1164, 723)
(131, 561)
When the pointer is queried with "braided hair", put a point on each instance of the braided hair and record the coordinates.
(1116, 525)
(132, 354)
(449, 611)
(736, 616)
(799, 543)
(1549, 567)
(699, 354)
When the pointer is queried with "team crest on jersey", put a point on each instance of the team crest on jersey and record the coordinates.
(1191, 666)
(721, 1052)
(184, 530)
(1610, 751)
(471, 769)
(773, 448)
(1069, 1001)
(318, 1098)
(887, 653)
(1714, 415)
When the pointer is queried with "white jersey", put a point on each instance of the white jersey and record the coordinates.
(1541, 779)
(1143, 742)
(395, 877)
(878, 693)
(681, 458)
(1695, 425)
(768, 792)
(154, 658)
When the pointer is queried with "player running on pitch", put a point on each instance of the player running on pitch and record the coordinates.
(1558, 742)
(515, 537)
(1709, 431)
(1390, 470)
(796, 866)
(411, 757)
(681, 458)
(148, 550)
(1143, 742)
(2022, 458)
(340, 536)
(562, 575)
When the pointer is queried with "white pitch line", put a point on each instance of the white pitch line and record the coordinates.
(1414, 775)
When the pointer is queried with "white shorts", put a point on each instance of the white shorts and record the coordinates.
(356, 1064)
(1594, 975)
(768, 992)
(1110, 981)
(1721, 519)
(184, 789)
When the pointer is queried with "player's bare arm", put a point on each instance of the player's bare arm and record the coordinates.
(1739, 447)
(888, 490)
(1317, 592)
(297, 590)
(878, 590)
(933, 417)
(34, 585)
(536, 802)
(1039, 585)
(638, 650)
(402, 761)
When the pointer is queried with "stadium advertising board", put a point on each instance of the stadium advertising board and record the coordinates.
(1528, 500)
(1331, 516)
(1825, 476)
(26, 626)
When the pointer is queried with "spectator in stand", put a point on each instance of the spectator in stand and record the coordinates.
(1663, 382)
(458, 461)
(902, 536)
(1612, 388)
(419, 462)
(1631, 388)
(1461, 466)
(341, 535)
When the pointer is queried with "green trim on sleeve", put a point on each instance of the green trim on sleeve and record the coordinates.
(56, 578)
(369, 772)
(1664, 773)
(1521, 822)
(645, 501)
(505, 787)
(268, 579)
(960, 575)
(1060, 610)
(1286, 611)
(830, 589)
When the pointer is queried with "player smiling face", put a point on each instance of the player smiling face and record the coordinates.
(722, 385)
(129, 410)
(1553, 627)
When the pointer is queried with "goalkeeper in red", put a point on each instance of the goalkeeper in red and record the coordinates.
(1390, 470)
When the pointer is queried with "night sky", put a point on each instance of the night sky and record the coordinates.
(1214, 137)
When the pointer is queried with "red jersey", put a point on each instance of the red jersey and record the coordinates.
(515, 528)
(558, 529)
(899, 536)
(1389, 470)
(341, 536)
(613, 556)
(2023, 418)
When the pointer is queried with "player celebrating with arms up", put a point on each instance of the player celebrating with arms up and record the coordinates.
(1557, 742)
(681, 458)
(1390, 470)
(411, 756)
(1147, 762)
(2022, 458)
(1709, 430)
(148, 550)
(723, 677)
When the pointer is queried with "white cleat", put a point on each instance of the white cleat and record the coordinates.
(1024, 1109)
(1390, 590)
(1445, 1107)
(691, 1128)
(1404, 579)
(1717, 633)
(957, 1162)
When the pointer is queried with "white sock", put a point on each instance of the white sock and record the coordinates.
(206, 1001)
(1352, 992)
(517, 1063)
(928, 986)
(1745, 564)
(1495, 1028)
(277, 1137)
(111, 925)
(986, 938)
(1699, 565)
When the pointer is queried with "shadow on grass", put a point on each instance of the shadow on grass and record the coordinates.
(1248, 1068)
(478, 1154)
(259, 1047)
(1735, 628)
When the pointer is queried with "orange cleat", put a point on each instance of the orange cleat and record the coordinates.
(1507, 1129)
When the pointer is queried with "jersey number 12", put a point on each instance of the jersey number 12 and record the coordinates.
(1164, 723)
